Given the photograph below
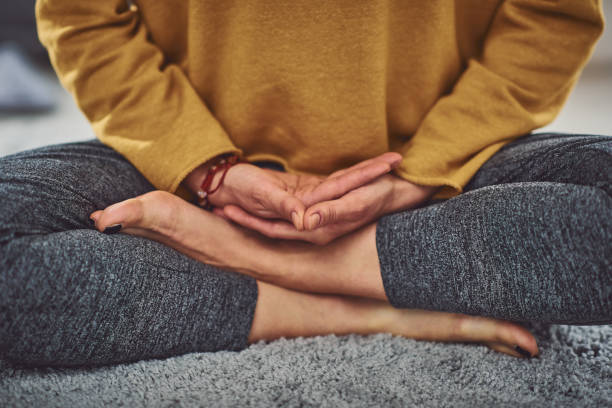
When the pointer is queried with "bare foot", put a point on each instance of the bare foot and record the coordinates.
(347, 266)
(168, 219)
(499, 335)
(283, 312)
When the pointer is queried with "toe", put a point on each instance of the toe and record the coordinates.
(95, 215)
(502, 348)
(154, 211)
(517, 337)
(128, 213)
(504, 335)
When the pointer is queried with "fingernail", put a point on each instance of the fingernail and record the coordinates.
(522, 351)
(112, 229)
(294, 218)
(315, 219)
(92, 221)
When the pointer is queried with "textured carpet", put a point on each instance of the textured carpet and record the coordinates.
(574, 369)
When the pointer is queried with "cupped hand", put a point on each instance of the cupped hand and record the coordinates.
(326, 220)
(269, 194)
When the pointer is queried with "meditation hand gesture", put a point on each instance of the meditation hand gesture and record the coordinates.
(333, 210)
(312, 208)
(250, 194)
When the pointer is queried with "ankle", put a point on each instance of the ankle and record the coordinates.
(257, 256)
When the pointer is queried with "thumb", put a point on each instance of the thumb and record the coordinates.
(321, 214)
(288, 207)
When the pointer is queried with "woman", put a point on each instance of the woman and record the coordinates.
(408, 187)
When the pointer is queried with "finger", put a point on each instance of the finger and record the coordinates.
(348, 208)
(288, 207)
(334, 187)
(269, 228)
(219, 212)
(284, 230)
(392, 158)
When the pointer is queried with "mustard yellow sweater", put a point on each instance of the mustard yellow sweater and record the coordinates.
(318, 85)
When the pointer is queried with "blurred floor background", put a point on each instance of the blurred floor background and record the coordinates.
(587, 111)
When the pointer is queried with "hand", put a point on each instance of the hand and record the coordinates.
(269, 194)
(327, 220)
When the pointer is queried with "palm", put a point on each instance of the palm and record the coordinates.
(301, 186)
(265, 193)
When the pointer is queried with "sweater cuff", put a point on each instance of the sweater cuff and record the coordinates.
(174, 157)
(426, 167)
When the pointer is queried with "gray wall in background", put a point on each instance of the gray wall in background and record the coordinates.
(603, 51)
(18, 24)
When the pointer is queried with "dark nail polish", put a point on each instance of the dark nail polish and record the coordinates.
(112, 229)
(92, 221)
(522, 351)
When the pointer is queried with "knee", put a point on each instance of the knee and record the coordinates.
(588, 161)
(589, 207)
(588, 229)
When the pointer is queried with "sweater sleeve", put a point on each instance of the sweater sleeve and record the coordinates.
(137, 102)
(531, 57)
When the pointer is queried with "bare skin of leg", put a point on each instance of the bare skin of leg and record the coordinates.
(345, 275)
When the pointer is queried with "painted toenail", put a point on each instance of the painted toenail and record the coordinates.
(112, 229)
(522, 351)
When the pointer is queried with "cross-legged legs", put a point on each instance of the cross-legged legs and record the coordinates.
(533, 247)
(74, 296)
(282, 311)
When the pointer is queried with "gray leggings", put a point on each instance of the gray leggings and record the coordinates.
(530, 240)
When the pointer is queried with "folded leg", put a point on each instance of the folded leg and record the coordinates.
(530, 240)
(71, 295)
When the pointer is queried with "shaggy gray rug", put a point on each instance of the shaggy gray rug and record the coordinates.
(574, 369)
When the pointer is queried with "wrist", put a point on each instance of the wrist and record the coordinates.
(208, 179)
(225, 194)
(194, 180)
(409, 195)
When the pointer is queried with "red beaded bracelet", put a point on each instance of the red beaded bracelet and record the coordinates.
(206, 187)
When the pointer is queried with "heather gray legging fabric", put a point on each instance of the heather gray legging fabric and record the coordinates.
(71, 295)
(530, 240)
